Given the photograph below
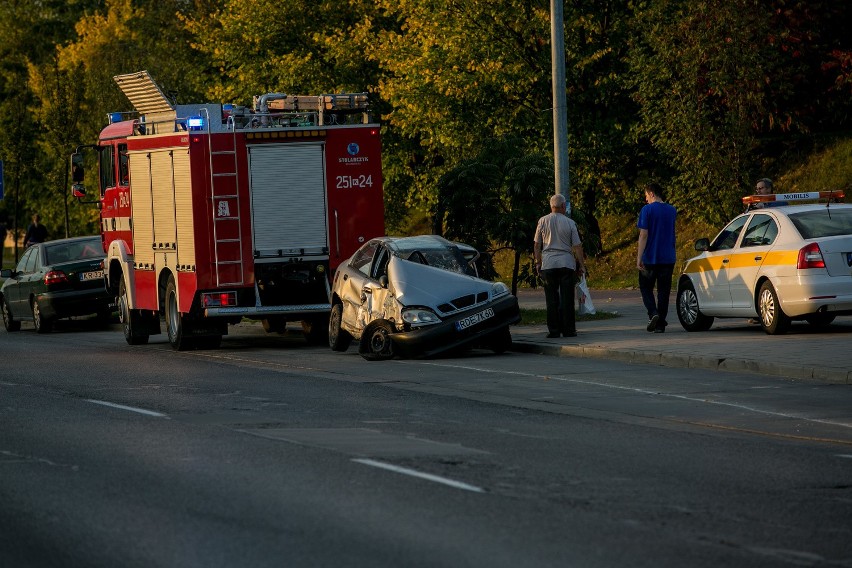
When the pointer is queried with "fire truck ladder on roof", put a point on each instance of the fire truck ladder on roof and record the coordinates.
(225, 194)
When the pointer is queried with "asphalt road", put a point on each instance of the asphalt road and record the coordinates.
(268, 452)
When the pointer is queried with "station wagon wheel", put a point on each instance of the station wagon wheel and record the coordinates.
(42, 323)
(772, 317)
(338, 338)
(376, 343)
(8, 322)
(688, 310)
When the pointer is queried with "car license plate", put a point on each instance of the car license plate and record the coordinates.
(474, 319)
(93, 275)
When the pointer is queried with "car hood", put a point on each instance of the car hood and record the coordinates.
(416, 284)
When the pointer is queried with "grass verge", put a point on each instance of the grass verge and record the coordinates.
(535, 316)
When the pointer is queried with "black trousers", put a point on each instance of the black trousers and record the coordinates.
(559, 298)
(657, 276)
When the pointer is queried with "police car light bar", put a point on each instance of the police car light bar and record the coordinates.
(790, 197)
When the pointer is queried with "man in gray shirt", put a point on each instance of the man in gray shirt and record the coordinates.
(558, 258)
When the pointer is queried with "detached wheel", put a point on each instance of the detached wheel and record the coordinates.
(135, 330)
(772, 317)
(376, 343)
(338, 338)
(8, 322)
(820, 320)
(176, 323)
(501, 341)
(688, 310)
(42, 323)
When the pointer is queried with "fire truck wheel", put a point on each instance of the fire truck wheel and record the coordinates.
(338, 339)
(376, 343)
(180, 334)
(42, 323)
(135, 331)
(316, 330)
(9, 323)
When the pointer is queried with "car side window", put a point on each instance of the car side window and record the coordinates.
(22, 264)
(380, 267)
(729, 235)
(32, 262)
(761, 231)
(363, 259)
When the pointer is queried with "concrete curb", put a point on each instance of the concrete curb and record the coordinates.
(807, 373)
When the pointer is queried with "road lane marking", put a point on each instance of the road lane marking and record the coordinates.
(420, 474)
(130, 408)
(646, 391)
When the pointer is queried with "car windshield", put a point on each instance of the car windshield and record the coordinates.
(448, 258)
(825, 222)
(70, 251)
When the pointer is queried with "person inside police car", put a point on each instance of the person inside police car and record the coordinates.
(764, 187)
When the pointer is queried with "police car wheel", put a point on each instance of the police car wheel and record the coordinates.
(821, 319)
(688, 310)
(772, 317)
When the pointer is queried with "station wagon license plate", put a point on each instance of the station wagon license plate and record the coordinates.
(93, 275)
(469, 321)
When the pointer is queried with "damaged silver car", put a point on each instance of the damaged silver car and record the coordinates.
(418, 297)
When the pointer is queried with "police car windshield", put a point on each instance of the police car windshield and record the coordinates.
(824, 222)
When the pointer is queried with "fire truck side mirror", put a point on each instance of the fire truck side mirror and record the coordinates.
(77, 172)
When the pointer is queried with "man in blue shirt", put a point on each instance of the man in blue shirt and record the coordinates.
(656, 256)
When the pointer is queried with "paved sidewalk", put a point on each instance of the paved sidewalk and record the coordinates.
(730, 345)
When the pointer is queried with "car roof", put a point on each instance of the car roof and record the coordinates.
(423, 242)
(71, 240)
(789, 209)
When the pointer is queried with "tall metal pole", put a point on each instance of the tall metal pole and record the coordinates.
(560, 109)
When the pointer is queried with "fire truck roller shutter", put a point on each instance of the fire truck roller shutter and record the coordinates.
(162, 175)
(141, 205)
(183, 209)
(288, 198)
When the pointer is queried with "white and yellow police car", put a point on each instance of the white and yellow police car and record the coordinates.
(775, 263)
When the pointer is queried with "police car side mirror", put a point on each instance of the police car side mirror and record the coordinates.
(702, 245)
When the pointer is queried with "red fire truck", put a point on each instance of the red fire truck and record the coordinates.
(211, 213)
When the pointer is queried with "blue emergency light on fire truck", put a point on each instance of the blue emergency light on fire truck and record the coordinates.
(211, 213)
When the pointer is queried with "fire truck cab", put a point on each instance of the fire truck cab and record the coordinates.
(210, 213)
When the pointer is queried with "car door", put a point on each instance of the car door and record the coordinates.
(18, 294)
(713, 286)
(748, 257)
(353, 279)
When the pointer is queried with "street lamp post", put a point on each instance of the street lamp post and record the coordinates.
(560, 118)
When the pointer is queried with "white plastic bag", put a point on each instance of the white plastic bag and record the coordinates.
(584, 298)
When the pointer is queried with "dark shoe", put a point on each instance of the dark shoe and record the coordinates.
(652, 323)
(570, 334)
(552, 335)
(660, 330)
